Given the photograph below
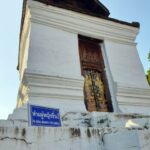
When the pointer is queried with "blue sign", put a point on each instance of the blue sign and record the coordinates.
(43, 116)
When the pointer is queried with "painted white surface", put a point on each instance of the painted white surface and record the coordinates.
(122, 140)
(144, 139)
(68, 139)
(125, 64)
(80, 23)
(132, 89)
(110, 80)
(63, 93)
(24, 44)
(53, 79)
(106, 130)
(134, 109)
(53, 75)
(84, 119)
(53, 52)
(133, 99)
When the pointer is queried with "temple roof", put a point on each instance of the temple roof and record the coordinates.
(90, 7)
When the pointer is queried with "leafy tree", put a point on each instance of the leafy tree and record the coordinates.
(148, 72)
(149, 56)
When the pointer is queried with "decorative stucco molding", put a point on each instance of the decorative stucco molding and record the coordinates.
(81, 24)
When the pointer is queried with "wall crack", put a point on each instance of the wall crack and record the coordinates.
(13, 138)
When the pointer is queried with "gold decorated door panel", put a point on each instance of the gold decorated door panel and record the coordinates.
(96, 92)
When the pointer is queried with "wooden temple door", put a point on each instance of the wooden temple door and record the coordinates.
(96, 91)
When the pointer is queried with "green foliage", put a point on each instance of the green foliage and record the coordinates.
(148, 76)
(148, 72)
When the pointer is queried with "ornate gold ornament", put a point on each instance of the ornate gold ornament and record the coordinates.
(94, 92)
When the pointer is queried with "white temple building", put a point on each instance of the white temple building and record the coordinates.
(49, 60)
(74, 57)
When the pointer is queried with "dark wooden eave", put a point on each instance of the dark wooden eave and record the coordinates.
(90, 7)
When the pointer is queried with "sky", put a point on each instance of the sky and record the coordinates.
(10, 17)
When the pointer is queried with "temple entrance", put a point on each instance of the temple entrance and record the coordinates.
(96, 92)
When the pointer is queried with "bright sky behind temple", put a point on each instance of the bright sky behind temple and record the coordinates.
(10, 16)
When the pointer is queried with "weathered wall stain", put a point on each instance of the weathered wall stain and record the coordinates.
(16, 130)
(23, 133)
(2, 130)
(75, 132)
(88, 133)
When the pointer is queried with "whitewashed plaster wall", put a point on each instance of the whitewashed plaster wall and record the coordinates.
(54, 83)
(125, 64)
(24, 44)
(63, 93)
(67, 139)
(132, 89)
(80, 130)
(53, 52)
(53, 64)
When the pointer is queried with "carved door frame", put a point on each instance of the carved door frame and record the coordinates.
(99, 66)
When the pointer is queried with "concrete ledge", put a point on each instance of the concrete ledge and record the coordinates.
(33, 138)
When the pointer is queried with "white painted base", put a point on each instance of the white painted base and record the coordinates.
(73, 139)
(51, 91)
(81, 131)
(133, 99)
